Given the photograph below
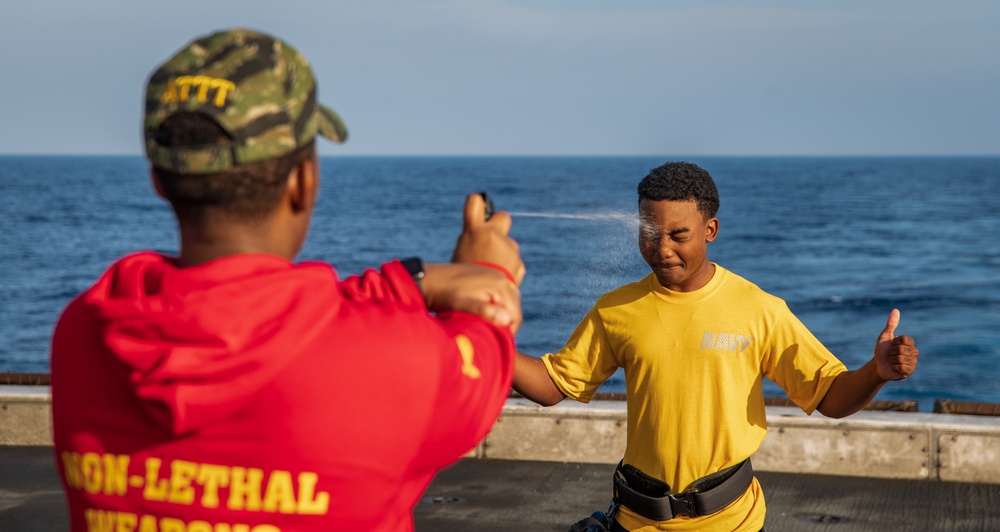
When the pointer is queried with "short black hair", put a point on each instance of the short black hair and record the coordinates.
(680, 181)
(245, 193)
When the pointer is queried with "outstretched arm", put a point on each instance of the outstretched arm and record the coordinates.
(895, 359)
(532, 380)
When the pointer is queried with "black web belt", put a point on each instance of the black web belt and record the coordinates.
(651, 498)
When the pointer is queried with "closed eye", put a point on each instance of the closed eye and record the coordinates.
(680, 235)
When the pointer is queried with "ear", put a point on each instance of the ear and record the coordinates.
(155, 179)
(711, 229)
(303, 185)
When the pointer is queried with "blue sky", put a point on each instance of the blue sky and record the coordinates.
(559, 77)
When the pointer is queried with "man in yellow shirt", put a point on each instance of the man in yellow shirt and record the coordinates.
(695, 341)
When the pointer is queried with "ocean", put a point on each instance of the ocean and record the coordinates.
(843, 240)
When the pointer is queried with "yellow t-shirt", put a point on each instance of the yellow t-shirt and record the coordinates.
(694, 364)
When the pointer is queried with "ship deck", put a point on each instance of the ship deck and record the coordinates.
(488, 495)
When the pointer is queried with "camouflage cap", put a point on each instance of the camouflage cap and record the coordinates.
(256, 87)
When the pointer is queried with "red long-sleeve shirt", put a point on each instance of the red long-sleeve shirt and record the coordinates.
(251, 394)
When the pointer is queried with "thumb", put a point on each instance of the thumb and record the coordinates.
(474, 209)
(494, 313)
(891, 324)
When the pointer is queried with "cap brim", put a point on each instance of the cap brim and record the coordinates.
(330, 124)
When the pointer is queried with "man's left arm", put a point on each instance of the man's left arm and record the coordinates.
(473, 289)
(895, 359)
(473, 377)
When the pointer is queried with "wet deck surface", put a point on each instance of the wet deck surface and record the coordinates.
(498, 495)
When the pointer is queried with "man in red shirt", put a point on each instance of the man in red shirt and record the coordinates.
(229, 389)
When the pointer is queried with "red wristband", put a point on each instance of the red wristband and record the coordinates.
(498, 268)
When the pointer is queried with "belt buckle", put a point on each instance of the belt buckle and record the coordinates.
(684, 504)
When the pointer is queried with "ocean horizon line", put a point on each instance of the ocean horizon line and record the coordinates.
(562, 156)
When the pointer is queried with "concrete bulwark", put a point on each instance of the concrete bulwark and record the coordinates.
(900, 445)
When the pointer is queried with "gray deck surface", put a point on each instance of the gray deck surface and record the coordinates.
(500, 495)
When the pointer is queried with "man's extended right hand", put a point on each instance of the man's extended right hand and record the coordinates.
(487, 241)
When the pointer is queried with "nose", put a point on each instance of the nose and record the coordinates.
(664, 248)
(659, 249)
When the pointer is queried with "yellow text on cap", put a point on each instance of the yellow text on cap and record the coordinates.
(179, 89)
